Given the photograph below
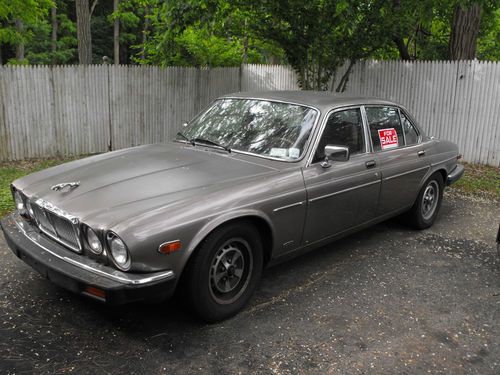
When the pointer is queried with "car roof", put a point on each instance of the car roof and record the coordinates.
(323, 100)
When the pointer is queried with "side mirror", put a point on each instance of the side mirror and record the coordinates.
(335, 153)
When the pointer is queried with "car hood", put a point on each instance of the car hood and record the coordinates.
(121, 184)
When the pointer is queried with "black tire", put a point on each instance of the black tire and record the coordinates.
(212, 300)
(424, 212)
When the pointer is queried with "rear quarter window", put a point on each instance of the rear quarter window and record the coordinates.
(411, 134)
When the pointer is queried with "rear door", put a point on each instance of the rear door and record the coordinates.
(401, 156)
(344, 194)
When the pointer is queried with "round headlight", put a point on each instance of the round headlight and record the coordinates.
(93, 241)
(119, 251)
(19, 202)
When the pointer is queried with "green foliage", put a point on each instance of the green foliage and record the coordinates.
(30, 12)
(489, 42)
(479, 180)
(313, 36)
(320, 35)
(205, 32)
(199, 48)
(38, 51)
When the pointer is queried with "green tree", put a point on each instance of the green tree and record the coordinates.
(204, 32)
(47, 48)
(27, 13)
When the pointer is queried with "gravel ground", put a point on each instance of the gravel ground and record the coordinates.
(386, 300)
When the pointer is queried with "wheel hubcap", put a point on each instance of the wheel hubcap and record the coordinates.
(430, 200)
(230, 271)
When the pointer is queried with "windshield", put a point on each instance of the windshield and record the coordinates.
(278, 130)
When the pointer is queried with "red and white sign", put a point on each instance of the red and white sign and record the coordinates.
(388, 138)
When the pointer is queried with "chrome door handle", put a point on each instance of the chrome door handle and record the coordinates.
(370, 164)
(421, 153)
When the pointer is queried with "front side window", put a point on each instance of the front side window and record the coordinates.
(343, 128)
(411, 134)
(267, 128)
(385, 128)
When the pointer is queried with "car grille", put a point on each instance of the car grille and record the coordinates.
(57, 227)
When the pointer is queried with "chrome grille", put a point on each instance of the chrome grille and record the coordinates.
(42, 219)
(55, 225)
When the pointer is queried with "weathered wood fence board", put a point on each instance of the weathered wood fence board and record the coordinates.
(62, 110)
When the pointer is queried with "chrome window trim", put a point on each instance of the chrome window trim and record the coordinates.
(112, 276)
(308, 142)
(321, 129)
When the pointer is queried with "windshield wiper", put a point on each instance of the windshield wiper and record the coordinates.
(209, 142)
(180, 134)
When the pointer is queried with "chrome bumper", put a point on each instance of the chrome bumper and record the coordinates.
(455, 174)
(76, 272)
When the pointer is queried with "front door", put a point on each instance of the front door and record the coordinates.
(345, 194)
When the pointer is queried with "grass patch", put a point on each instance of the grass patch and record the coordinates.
(13, 170)
(479, 180)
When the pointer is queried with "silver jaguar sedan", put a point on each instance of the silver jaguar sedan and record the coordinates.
(254, 179)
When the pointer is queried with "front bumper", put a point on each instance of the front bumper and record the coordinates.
(455, 174)
(79, 274)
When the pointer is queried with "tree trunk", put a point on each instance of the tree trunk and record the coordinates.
(402, 48)
(20, 44)
(83, 31)
(53, 39)
(145, 32)
(116, 35)
(245, 49)
(345, 78)
(464, 32)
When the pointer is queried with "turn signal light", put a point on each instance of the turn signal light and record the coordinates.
(169, 247)
(95, 292)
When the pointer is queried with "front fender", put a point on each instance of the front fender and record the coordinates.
(222, 219)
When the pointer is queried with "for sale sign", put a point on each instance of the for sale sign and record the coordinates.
(388, 138)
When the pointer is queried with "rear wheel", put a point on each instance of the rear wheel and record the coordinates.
(425, 209)
(224, 272)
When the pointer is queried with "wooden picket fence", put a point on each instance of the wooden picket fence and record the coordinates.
(72, 110)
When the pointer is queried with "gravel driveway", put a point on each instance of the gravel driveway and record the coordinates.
(385, 300)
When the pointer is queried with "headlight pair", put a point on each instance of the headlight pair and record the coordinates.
(117, 249)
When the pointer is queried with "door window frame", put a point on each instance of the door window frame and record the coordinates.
(399, 109)
(368, 145)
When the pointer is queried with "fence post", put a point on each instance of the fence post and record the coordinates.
(5, 153)
(110, 117)
(240, 78)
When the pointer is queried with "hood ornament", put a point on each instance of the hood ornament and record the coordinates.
(70, 185)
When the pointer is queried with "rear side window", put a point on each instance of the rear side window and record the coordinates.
(385, 127)
(411, 134)
(343, 128)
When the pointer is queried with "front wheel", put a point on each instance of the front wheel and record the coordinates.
(425, 209)
(224, 272)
